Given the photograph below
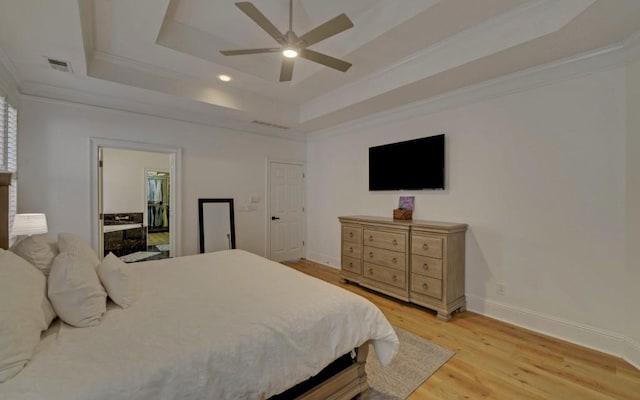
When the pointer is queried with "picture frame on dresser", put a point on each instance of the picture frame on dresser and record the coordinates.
(421, 262)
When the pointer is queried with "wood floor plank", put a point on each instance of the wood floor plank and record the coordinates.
(496, 360)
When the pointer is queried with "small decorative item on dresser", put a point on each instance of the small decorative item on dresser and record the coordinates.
(401, 213)
(405, 208)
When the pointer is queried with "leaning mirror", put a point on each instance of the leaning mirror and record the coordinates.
(217, 230)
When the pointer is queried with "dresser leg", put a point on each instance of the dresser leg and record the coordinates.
(446, 317)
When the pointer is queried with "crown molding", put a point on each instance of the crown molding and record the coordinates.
(542, 75)
(179, 111)
(632, 47)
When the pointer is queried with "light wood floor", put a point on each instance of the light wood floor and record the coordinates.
(157, 238)
(495, 360)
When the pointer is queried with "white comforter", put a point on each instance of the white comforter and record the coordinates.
(226, 325)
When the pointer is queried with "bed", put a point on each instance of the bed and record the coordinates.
(224, 325)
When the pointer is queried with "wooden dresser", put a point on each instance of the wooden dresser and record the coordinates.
(417, 261)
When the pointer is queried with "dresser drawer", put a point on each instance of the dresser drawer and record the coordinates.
(429, 246)
(386, 275)
(386, 258)
(352, 234)
(385, 240)
(427, 286)
(351, 264)
(426, 266)
(352, 250)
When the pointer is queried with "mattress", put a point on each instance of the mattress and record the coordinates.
(224, 325)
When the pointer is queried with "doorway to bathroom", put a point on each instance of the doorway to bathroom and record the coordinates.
(135, 200)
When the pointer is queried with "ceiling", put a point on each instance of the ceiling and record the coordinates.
(161, 57)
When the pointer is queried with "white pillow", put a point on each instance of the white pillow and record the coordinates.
(74, 245)
(75, 291)
(114, 275)
(38, 250)
(21, 315)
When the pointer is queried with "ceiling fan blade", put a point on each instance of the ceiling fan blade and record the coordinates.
(324, 59)
(332, 27)
(262, 21)
(250, 51)
(286, 72)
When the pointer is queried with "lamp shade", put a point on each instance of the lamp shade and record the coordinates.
(29, 224)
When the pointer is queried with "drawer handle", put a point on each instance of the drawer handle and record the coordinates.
(371, 271)
(350, 249)
(425, 246)
(350, 265)
(394, 260)
(370, 238)
(371, 254)
(425, 286)
(395, 242)
(425, 266)
(394, 278)
(351, 234)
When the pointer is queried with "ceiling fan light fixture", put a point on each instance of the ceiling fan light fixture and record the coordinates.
(224, 78)
(290, 52)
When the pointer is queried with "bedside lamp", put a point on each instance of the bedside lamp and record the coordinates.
(29, 224)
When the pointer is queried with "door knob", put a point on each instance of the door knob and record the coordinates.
(274, 218)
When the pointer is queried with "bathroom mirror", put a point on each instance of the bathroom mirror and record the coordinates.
(217, 230)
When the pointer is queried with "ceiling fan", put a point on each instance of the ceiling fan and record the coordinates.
(292, 45)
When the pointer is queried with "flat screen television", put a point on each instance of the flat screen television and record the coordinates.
(412, 165)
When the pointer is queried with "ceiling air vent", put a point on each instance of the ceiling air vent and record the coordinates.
(63, 66)
(269, 124)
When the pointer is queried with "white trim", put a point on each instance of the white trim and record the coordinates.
(632, 47)
(268, 204)
(564, 329)
(167, 107)
(632, 352)
(546, 74)
(175, 217)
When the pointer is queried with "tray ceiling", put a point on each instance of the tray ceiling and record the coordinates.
(162, 56)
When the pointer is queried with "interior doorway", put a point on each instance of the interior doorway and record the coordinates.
(158, 211)
(286, 222)
(136, 201)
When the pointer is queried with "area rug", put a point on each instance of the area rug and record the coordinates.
(416, 361)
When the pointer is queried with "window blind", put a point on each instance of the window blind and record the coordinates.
(12, 165)
(3, 134)
(9, 155)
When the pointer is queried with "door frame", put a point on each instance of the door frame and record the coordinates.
(175, 162)
(268, 204)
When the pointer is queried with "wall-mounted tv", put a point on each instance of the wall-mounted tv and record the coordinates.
(412, 165)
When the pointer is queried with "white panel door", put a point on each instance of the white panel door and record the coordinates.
(286, 204)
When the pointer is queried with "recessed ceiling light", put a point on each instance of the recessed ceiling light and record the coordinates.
(224, 78)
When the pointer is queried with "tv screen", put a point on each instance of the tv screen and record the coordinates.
(412, 165)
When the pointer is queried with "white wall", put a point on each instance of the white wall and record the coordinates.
(633, 210)
(54, 165)
(124, 179)
(539, 176)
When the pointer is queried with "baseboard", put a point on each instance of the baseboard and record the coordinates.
(571, 331)
(584, 335)
(323, 259)
(632, 353)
